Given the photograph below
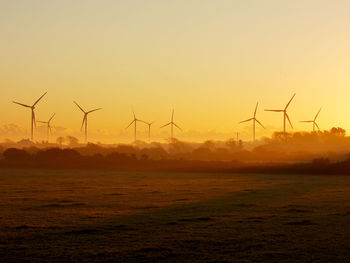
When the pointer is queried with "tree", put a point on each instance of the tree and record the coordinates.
(231, 144)
(73, 141)
(16, 155)
(338, 131)
(240, 144)
(60, 140)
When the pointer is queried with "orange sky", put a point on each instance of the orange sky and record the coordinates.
(210, 60)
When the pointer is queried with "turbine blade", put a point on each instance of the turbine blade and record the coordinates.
(275, 110)
(246, 120)
(256, 107)
(94, 110)
(52, 117)
(290, 123)
(79, 107)
(259, 123)
(148, 123)
(82, 124)
(42, 122)
(142, 121)
(289, 101)
(172, 116)
(165, 125)
(130, 124)
(24, 105)
(177, 126)
(317, 114)
(317, 126)
(306, 121)
(39, 99)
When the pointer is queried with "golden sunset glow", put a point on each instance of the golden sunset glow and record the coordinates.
(175, 131)
(209, 60)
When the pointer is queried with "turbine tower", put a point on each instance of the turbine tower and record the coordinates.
(314, 121)
(285, 115)
(33, 123)
(85, 120)
(172, 124)
(254, 121)
(135, 120)
(48, 126)
(149, 129)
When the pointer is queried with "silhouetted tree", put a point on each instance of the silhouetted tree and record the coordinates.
(231, 144)
(60, 140)
(320, 161)
(240, 144)
(16, 155)
(338, 132)
(202, 153)
(144, 157)
(73, 141)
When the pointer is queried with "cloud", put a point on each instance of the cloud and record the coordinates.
(13, 130)
(16, 132)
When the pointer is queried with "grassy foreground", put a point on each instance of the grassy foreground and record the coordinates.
(70, 216)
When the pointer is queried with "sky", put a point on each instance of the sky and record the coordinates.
(209, 60)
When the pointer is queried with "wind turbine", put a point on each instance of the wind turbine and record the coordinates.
(254, 121)
(33, 123)
(135, 120)
(49, 130)
(85, 120)
(149, 129)
(314, 121)
(285, 115)
(172, 124)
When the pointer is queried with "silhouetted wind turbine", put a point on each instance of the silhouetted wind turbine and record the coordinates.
(135, 120)
(149, 129)
(254, 120)
(48, 126)
(33, 123)
(314, 121)
(285, 115)
(172, 124)
(86, 113)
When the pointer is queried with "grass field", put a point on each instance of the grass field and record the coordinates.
(79, 216)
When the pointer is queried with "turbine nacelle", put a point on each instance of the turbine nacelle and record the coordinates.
(48, 125)
(134, 121)
(86, 113)
(172, 124)
(254, 119)
(314, 123)
(285, 115)
(32, 107)
(149, 128)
